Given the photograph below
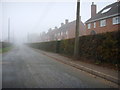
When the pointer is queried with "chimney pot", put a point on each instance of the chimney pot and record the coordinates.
(55, 27)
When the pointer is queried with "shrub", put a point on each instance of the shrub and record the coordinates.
(101, 47)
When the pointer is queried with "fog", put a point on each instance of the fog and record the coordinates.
(32, 17)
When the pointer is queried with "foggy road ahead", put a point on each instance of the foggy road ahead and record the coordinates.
(24, 67)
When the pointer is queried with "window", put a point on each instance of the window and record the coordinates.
(66, 32)
(102, 23)
(89, 26)
(116, 20)
(106, 10)
(94, 24)
(59, 39)
(61, 33)
(58, 34)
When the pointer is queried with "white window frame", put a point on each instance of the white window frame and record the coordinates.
(89, 26)
(66, 32)
(61, 33)
(59, 39)
(116, 20)
(94, 24)
(102, 23)
(58, 34)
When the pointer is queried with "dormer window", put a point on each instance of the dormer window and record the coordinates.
(116, 20)
(102, 23)
(106, 10)
(89, 26)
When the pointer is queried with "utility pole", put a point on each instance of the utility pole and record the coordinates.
(13, 36)
(8, 29)
(28, 37)
(76, 45)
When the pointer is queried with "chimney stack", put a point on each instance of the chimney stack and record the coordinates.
(66, 21)
(93, 9)
(62, 24)
(56, 27)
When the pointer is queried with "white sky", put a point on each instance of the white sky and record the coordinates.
(35, 16)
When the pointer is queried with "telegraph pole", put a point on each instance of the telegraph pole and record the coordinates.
(13, 35)
(76, 45)
(28, 37)
(8, 29)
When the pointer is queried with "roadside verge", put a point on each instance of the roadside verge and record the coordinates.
(3, 50)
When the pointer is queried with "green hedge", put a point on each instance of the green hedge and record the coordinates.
(47, 46)
(5, 44)
(101, 47)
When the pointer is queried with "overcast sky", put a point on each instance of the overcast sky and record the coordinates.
(36, 16)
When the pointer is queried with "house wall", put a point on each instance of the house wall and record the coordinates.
(108, 28)
(70, 29)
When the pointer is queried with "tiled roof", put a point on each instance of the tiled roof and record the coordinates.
(72, 24)
(108, 11)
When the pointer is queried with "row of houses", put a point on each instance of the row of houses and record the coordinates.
(66, 31)
(106, 20)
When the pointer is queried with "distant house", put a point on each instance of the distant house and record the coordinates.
(65, 31)
(43, 37)
(106, 20)
(51, 34)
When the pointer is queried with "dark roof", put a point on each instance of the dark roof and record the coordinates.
(66, 27)
(113, 9)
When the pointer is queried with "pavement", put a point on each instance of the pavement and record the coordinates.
(24, 67)
(103, 72)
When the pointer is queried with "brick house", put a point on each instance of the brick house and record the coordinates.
(50, 35)
(106, 20)
(68, 30)
(43, 37)
(65, 31)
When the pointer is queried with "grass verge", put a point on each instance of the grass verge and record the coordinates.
(3, 50)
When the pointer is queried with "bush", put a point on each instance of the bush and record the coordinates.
(101, 47)
(6, 44)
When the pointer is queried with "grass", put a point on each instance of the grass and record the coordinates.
(0, 50)
(3, 50)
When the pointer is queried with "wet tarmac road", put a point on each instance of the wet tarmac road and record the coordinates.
(23, 67)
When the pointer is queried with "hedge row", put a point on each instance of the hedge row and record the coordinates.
(101, 47)
(5, 44)
(0, 44)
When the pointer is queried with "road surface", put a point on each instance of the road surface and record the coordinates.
(23, 67)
